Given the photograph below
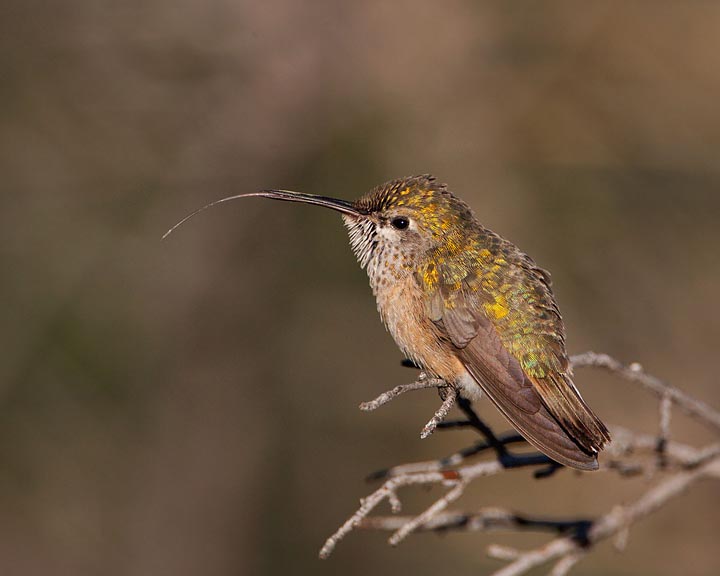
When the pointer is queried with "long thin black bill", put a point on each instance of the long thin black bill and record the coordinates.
(287, 195)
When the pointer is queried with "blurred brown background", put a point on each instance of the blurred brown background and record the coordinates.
(190, 406)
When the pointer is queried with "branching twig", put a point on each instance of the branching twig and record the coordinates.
(444, 463)
(387, 491)
(635, 373)
(439, 416)
(423, 381)
(449, 477)
(629, 453)
(615, 521)
(484, 520)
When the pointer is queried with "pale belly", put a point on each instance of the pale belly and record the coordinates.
(402, 308)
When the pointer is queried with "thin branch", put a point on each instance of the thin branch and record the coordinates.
(629, 453)
(387, 491)
(628, 442)
(612, 523)
(664, 436)
(500, 552)
(635, 373)
(439, 505)
(439, 416)
(447, 462)
(484, 520)
(565, 564)
(686, 456)
(458, 479)
(423, 382)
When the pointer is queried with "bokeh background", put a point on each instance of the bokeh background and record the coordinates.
(190, 406)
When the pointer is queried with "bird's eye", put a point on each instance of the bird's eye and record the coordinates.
(400, 222)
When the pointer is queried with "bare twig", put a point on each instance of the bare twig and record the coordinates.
(565, 564)
(664, 436)
(446, 463)
(387, 491)
(635, 373)
(458, 480)
(439, 416)
(439, 505)
(628, 454)
(500, 552)
(612, 523)
(484, 520)
(423, 381)
(684, 457)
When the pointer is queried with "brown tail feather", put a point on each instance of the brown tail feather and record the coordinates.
(520, 400)
(540, 428)
(564, 402)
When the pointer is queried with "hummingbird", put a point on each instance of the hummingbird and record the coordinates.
(468, 307)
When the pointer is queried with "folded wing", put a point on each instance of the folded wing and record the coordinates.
(508, 334)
